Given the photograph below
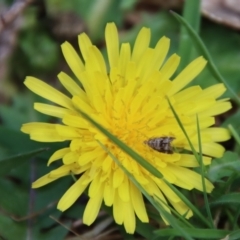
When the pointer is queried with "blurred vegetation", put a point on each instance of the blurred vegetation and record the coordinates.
(32, 47)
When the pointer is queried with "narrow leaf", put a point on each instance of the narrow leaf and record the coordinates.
(196, 233)
(203, 50)
(13, 162)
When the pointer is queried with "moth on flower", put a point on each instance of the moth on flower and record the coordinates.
(128, 98)
(161, 144)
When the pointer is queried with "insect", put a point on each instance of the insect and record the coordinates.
(161, 144)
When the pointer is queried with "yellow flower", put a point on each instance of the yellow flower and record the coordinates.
(129, 100)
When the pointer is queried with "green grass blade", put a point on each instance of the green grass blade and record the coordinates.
(203, 50)
(13, 162)
(197, 158)
(182, 218)
(184, 131)
(234, 133)
(234, 235)
(235, 220)
(227, 199)
(192, 14)
(202, 175)
(188, 203)
(196, 233)
(174, 223)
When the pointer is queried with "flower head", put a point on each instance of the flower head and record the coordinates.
(130, 101)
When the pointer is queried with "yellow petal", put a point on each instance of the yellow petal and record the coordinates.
(118, 177)
(145, 67)
(78, 170)
(61, 171)
(88, 156)
(182, 209)
(107, 163)
(112, 42)
(141, 44)
(109, 192)
(70, 157)
(138, 203)
(216, 109)
(29, 127)
(68, 132)
(214, 91)
(58, 155)
(95, 186)
(188, 74)
(82, 105)
(71, 86)
(77, 144)
(129, 218)
(72, 194)
(123, 190)
(50, 110)
(75, 121)
(73, 60)
(118, 210)
(168, 192)
(187, 94)
(170, 66)
(201, 106)
(47, 135)
(44, 180)
(84, 43)
(168, 175)
(205, 122)
(217, 134)
(93, 206)
(188, 160)
(212, 149)
(162, 201)
(161, 50)
(44, 90)
(124, 58)
(95, 61)
(187, 175)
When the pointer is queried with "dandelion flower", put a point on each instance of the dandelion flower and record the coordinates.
(130, 100)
